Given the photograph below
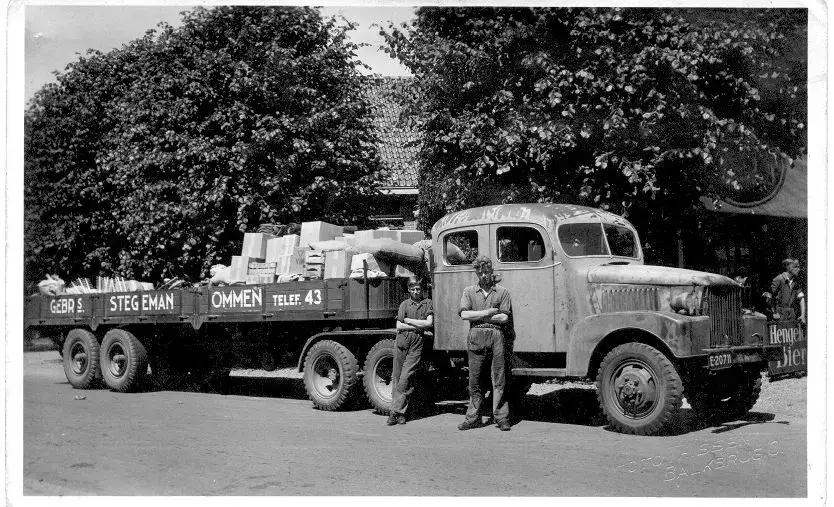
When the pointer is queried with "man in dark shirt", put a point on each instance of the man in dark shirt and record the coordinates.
(414, 318)
(787, 294)
(488, 309)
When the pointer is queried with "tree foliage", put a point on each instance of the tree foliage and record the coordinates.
(151, 159)
(630, 110)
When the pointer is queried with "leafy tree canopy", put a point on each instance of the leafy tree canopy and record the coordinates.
(630, 110)
(151, 159)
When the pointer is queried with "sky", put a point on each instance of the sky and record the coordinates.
(57, 35)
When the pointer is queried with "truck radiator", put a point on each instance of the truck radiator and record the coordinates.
(723, 305)
(624, 299)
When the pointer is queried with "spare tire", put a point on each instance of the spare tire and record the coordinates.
(124, 361)
(330, 375)
(81, 358)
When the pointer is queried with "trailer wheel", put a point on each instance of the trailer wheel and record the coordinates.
(378, 371)
(726, 396)
(81, 358)
(124, 361)
(639, 389)
(330, 375)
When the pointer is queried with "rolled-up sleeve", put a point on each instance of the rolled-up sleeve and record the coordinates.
(401, 312)
(505, 305)
(429, 309)
(465, 301)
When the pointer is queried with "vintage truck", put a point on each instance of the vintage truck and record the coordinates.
(584, 306)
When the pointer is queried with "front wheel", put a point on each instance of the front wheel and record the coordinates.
(378, 374)
(638, 389)
(330, 375)
(124, 360)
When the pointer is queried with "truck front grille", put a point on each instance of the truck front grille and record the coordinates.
(723, 305)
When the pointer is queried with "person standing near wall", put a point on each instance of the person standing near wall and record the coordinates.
(786, 296)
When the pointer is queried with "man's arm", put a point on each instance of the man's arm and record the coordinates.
(426, 323)
(479, 315)
(405, 326)
(505, 307)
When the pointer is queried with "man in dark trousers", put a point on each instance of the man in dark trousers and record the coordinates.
(414, 318)
(488, 309)
(786, 293)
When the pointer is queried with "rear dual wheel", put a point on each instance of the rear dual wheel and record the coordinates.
(124, 361)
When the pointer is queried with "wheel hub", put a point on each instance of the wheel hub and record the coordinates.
(326, 380)
(382, 380)
(79, 359)
(635, 389)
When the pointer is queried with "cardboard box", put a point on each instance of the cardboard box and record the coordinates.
(260, 279)
(337, 264)
(278, 247)
(239, 268)
(254, 244)
(409, 237)
(365, 236)
(318, 231)
(348, 239)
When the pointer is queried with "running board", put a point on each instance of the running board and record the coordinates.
(540, 372)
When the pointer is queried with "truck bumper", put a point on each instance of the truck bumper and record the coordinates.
(726, 357)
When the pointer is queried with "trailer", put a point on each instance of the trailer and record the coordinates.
(585, 306)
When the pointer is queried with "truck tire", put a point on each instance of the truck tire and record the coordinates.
(638, 389)
(379, 367)
(330, 375)
(81, 359)
(727, 397)
(124, 361)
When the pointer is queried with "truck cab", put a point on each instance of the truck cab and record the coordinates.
(585, 305)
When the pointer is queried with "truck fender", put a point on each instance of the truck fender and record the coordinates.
(670, 331)
(341, 337)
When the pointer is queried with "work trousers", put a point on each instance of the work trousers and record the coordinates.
(485, 346)
(408, 356)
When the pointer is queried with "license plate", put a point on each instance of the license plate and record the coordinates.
(719, 360)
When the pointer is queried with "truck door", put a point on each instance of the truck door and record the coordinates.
(453, 272)
(522, 254)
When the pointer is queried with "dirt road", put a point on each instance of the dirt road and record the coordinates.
(265, 439)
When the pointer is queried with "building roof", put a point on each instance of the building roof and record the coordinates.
(789, 199)
(398, 144)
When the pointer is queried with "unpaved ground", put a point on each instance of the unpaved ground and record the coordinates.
(265, 439)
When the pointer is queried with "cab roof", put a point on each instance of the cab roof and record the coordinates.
(546, 215)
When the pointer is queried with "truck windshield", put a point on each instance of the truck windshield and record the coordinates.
(579, 240)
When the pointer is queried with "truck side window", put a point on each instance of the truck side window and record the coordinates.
(582, 239)
(461, 247)
(519, 244)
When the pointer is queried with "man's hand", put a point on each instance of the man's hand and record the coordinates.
(802, 319)
(492, 311)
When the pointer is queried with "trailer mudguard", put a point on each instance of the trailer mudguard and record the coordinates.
(680, 333)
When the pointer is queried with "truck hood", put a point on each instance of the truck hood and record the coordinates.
(655, 275)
